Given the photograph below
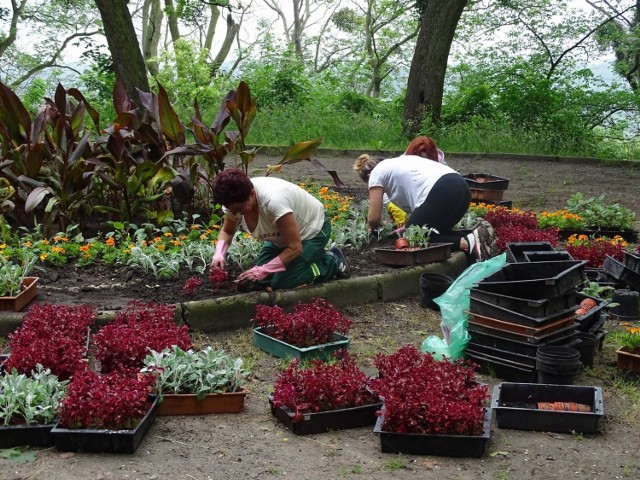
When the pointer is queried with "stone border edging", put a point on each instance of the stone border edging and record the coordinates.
(235, 312)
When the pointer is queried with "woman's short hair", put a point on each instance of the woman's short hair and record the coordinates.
(231, 186)
(423, 147)
(364, 164)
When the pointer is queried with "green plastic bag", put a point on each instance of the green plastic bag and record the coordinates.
(454, 303)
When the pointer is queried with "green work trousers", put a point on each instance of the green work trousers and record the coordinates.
(313, 266)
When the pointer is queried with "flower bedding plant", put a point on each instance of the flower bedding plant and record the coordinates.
(423, 395)
(418, 235)
(12, 275)
(562, 219)
(630, 338)
(310, 323)
(198, 372)
(113, 401)
(54, 336)
(322, 386)
(30, 400)
(124, 343)
(595, 250)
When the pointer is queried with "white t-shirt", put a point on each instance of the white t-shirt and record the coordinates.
(277, 197)
(407, 179)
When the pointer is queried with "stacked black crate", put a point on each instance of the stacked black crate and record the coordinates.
(519, 308)
(486, 188)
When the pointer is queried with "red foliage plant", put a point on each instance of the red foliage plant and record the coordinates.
(310, 323)
(191, 285)
(124, 343)
(423, 395)
(217, 277)
(319, 386)
(515, 234)
(594, 250)
(113, 401)
(505, 217)
(54, 336)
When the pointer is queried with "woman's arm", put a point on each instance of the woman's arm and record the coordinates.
(375, 207)
(225, 237)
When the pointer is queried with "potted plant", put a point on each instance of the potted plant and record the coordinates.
(628, 355)
(29, 407)
(414, 248)
(319, 397)
(197, 381)
(430, 407)
(17, 288)
(105, 413)
(312, 330)
(124, 343)
(54, 336)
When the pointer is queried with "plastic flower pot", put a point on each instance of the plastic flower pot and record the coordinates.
(278, 348)
(406, 257)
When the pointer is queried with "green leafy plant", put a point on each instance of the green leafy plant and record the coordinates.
(30, 400)
(594, 289)
(598, 214)
(631, 337)
(418, 235)
(198, 372)
(12, 275)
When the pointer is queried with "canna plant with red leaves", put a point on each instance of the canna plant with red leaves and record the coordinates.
(424, 395)
(54, 336)
(112, 401)
(310, 323)
(321, 386)
(123, 344)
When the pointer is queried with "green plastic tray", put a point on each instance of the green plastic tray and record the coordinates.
(280, 349)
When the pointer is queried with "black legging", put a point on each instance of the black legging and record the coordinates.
(443, 208)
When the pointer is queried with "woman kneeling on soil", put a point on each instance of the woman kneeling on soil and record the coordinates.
(291, 223)
(435, 195)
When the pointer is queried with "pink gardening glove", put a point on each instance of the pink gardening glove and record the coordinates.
(218, 257)
(398, 231)
(261, 272)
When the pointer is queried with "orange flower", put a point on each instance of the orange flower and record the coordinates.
(110, 242)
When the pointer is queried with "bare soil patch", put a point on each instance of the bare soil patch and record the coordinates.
(254, 445)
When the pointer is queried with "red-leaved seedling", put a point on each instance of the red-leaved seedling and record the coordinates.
(423, 395)
(322, 386)
(310, 323)
(54, 336)
(217, 277)
(124, 343)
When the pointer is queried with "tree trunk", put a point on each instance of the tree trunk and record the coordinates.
(232, 30)
(123, 45)
(172, 19)
(425, 85)
(151, 29)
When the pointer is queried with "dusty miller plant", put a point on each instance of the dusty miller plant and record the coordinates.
(198, 372)
(12, 274)
(418, 235)
(244, 250)
(30, 399)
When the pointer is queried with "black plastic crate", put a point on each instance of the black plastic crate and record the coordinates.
(516, 407)
(486, 182)
(621, 272)
(591, 318)
(515, 250)
(555, 256)
(503, 370)
(517, 359)
(516, 346)
(538, 340)
(535, 280)
(488, 309)
(632, 261)
(526, 306)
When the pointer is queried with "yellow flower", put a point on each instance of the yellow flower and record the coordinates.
(57, 238)
(27, 244)
(43, 256)
(203, 237)
(157, 239)
(126, 251)
(3, 246)
(168, 234)
(162, 248)
(44, 242)
(57, 250)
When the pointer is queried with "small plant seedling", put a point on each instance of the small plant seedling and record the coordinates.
(396, 464)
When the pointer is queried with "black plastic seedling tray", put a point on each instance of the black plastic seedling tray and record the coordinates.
(621, 272)
(516, 359)
(538, 340)
(516, 405)
(502, 369)
(558, 255)
(515, 250)
(526, 306)
(535, 280)
(632, 261)
(491, 182)
(488, 309)
(516, 346)
(589, 319)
